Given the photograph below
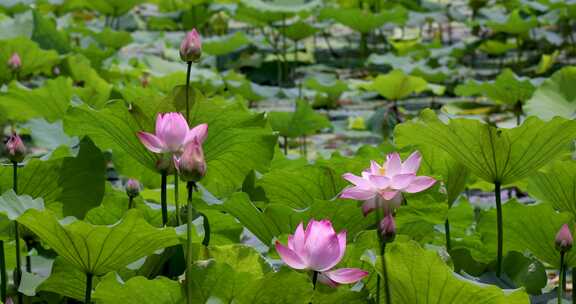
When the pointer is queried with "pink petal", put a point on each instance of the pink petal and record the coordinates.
(369, 206)
(289, 257)
(374, 168)
(151, 142)
(299, 240)
(199, 132)
(346, 275)
(401, 181)
(393, 164)
(357, 180)
(322, 278)
(159, 123)
(389, 195)
(420, 183)
(342, 242)
(381, 182)
(322, 246)
(173, 131)
(412, 164)
(357, 193)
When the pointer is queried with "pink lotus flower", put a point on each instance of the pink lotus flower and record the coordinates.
(382, 186)
(191, 164)
(319, 248)
(14, 63)
(564, 239)
(191, 47)
(172, 134)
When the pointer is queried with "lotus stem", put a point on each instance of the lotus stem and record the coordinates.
(3, 275)
(176, 199)
(314, 279)
(385, 274)
(88, 296)
(447, 231)
(500, 228)
(130, 202)
(163, 199)
(18, 271)
(188, 69)
(561, 277)
(189, 218)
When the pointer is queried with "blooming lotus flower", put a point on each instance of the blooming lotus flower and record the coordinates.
(191, 47)
(15, 148)
(382, 186)
(319, 248)
(564, 239)
(14, 63)
(172, 134)
(191, 164)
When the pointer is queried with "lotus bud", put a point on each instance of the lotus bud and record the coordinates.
(14, 63)
(191, 164)
(564, 239)
(388, 228)
(191, 47)
(132, 187)
(15, 148)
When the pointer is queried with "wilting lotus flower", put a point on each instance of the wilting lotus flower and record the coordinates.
(14, 63)
(15, 148)
(191, 47)
(172, 134)
(382, 186)
(319, 248)
(191, 164)
(564, 239)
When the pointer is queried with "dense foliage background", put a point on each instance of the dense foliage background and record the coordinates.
(295, 94)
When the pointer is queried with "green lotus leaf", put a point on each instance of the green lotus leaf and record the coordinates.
(113, 7)
(138, 290)
(223, 45)
(419, 276)
(299, 30)
(364, 21)
(556, 96)
(65, 279)
(48, 36)
(495, 47)
(303, 121)
(555, 184)
(527, 228)
(112, 39)
(272, 288)
(493, 154)
(99, 249)
(74, 184)
(13, 206)
(282, 6)
(506, 89)
(514, 24)
(396, 85)
(34, 60)
(95, 90)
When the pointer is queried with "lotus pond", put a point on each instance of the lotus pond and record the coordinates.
(287, 151)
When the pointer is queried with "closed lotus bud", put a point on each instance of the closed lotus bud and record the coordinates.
(564, 239)
(15, 148)
(191, 164)
(388, 228)
(191, 47)
(9, 301)
(132, 187)
(14, 63)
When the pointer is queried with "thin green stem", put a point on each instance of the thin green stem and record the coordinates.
(206, 225)
(500, 228)
(285, 145)
(189, 217)
(314, 279)
(176, 199)
(130, 202)
(88, 296)
(560, 277)
(163, 199)
(385, 274)
(3, 275)
(18, 271)
(447, 230)
(188, 69)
